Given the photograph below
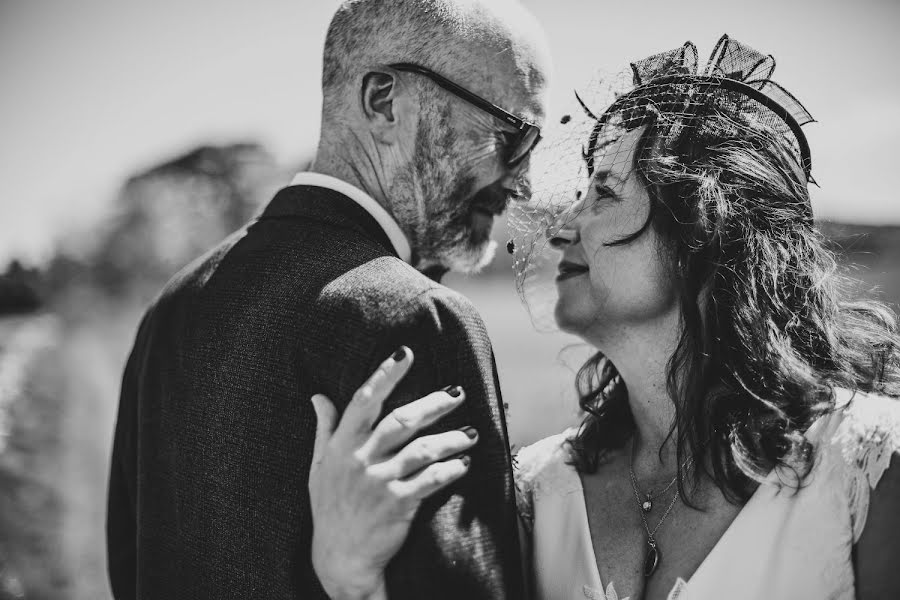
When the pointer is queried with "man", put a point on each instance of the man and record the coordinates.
(208, 491)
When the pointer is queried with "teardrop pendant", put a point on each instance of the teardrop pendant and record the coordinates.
(651, 561)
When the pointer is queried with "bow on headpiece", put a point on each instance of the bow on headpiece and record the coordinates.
(733, 67)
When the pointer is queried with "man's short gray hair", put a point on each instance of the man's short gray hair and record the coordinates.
(434, 33)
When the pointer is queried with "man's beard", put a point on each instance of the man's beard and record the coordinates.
(434, 202)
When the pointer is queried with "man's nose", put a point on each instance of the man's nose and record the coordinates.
(519, 184)
(521, 168)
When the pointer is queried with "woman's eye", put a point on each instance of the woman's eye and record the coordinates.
(602, 198)
(603, 192)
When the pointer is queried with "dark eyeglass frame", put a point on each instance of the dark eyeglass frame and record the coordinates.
(527, 134)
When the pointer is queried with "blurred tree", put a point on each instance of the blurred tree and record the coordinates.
(18, 289)
(172, 213)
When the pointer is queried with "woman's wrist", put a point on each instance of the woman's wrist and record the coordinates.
(346, 577)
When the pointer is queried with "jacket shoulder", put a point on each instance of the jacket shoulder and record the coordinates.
(388, 292)
(197, 273)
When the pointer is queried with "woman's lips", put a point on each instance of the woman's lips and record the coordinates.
(567, 270)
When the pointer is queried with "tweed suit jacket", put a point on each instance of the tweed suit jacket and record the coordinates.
(208, 492)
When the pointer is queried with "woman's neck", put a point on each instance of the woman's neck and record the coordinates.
(641, 355)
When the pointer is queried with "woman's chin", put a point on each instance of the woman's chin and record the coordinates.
(565, 320)
(572, 308)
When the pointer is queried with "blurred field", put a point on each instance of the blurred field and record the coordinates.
(60, 364)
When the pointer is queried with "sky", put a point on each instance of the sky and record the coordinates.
(95, 90)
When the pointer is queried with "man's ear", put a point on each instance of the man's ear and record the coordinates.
(379, 91)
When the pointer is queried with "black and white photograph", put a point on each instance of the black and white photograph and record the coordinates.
(449, 299)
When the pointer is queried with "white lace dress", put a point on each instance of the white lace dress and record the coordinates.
(781, 545)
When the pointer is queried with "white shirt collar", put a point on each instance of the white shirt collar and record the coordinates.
(381, 216)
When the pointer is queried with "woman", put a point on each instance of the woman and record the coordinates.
(739, 420)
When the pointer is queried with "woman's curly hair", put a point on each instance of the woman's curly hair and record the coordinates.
(769, 326)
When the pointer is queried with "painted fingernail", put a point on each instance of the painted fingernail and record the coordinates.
(471, 432)
(453, 390)
(399, 354)
(466, 461)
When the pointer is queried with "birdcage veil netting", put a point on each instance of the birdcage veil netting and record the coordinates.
(672, 97)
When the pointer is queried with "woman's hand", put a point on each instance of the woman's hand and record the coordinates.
(366, 484)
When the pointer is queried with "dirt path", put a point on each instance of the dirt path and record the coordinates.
(59, 381)
(30, 446)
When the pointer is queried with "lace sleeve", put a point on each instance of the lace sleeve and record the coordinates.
(524, 492)
(531, 466)
(867, 438)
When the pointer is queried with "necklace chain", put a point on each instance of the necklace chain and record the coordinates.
(651, 496)
(651, 539)
(653, 555)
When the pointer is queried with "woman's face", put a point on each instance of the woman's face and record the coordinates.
(604, 290)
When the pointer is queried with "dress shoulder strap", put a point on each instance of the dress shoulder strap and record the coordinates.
(863, 442)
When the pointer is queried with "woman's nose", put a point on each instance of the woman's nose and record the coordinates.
(566, 224)
(562, 238)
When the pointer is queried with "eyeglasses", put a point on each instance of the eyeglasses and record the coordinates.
(527, 134)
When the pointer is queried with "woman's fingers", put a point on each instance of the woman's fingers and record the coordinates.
(363, 502)
(433, 478)
(365, 406)
(326, 418)
(427, 450)
(404, 422)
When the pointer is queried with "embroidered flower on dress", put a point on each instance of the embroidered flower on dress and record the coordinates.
(866, 440)
(679, 592)
(595, 594)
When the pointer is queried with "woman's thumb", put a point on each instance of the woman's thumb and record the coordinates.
(326, 418)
